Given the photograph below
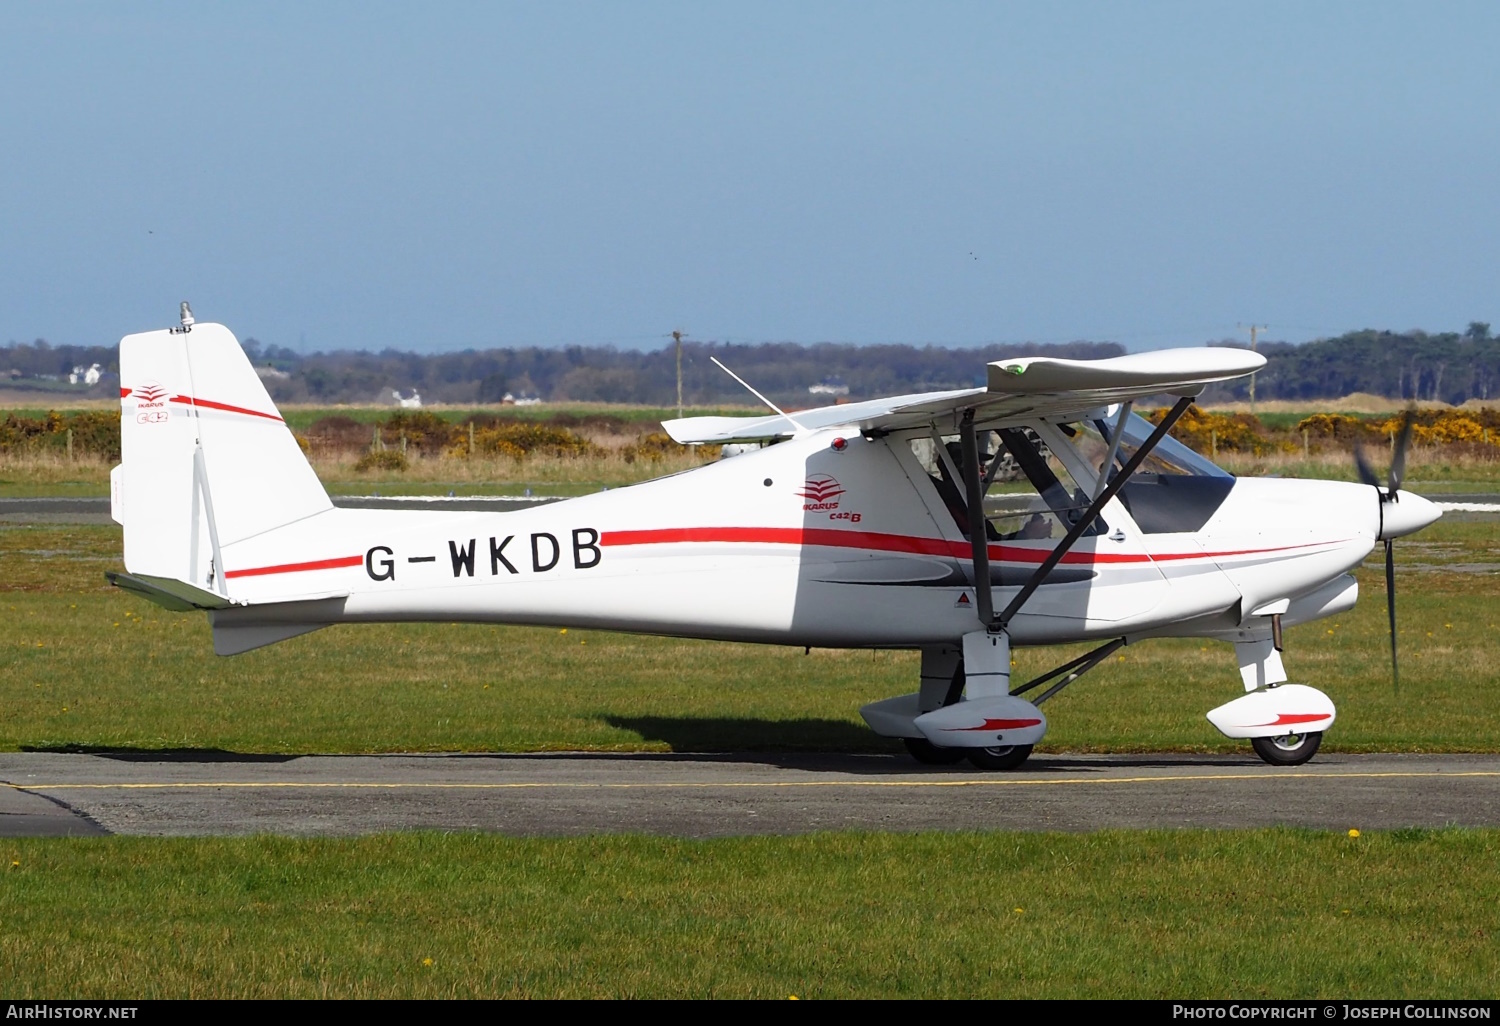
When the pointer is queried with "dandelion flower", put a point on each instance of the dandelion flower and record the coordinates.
(426, 961)
(1353, 833)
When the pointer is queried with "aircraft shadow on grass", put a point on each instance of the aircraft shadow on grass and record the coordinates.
(128, 754)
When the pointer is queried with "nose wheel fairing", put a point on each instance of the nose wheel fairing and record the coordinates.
(1282, 710)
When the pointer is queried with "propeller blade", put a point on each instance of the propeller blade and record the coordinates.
(1398, 458)
(1362, 467)
(1390, 605)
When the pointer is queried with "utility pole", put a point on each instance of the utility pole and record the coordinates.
(1254, 330)
(677, 337)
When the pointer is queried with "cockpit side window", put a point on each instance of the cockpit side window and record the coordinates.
(1060, 506)
(1174, 490)
(1169, 457)
(1025, 494)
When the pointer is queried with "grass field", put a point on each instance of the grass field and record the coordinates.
(82, 664)
(1110, 915)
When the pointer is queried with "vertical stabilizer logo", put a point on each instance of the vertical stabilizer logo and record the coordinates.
(150, 394)
(150, 403)
(821, 492)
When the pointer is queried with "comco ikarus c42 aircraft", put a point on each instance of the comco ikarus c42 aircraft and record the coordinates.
(853, 526)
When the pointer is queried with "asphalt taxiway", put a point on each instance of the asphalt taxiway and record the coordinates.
(205, 793)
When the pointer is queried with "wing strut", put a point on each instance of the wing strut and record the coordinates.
(982, 586)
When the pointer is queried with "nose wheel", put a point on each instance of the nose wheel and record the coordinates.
(1287, 749)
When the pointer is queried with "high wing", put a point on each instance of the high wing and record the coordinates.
(1019, 389)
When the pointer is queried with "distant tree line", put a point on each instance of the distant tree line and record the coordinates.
(1451, 366)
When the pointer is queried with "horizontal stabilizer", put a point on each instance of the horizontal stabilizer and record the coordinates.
(245, 627)
(167, 593)
(233, 640)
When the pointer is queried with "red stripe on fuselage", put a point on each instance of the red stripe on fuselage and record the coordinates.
(208, 404)
(293, 568)
(836, 538)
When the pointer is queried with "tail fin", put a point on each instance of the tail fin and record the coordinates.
(206, 458)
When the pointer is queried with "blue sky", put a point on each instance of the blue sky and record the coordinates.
(439, 176)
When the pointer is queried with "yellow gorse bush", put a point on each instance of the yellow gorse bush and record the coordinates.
(1446, 427)
(658, 445)
(522, 439)
(1205, 431)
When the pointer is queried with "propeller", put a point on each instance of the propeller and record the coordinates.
(1392, 493)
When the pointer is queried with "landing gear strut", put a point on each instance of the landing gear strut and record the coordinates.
(1287, 749)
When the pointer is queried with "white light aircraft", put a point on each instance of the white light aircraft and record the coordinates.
(854, 527)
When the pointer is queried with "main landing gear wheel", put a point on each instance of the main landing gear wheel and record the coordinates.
(1287, 749)
(1005, 757)
(924, 751)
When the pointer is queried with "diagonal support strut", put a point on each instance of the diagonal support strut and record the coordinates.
(1074, 669)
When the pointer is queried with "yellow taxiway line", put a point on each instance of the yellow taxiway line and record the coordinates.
(736, 784)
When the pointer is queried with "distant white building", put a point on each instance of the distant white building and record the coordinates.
(269, 373)
(88, 377)
(414, 402)
(526, 400)
(828, 386)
